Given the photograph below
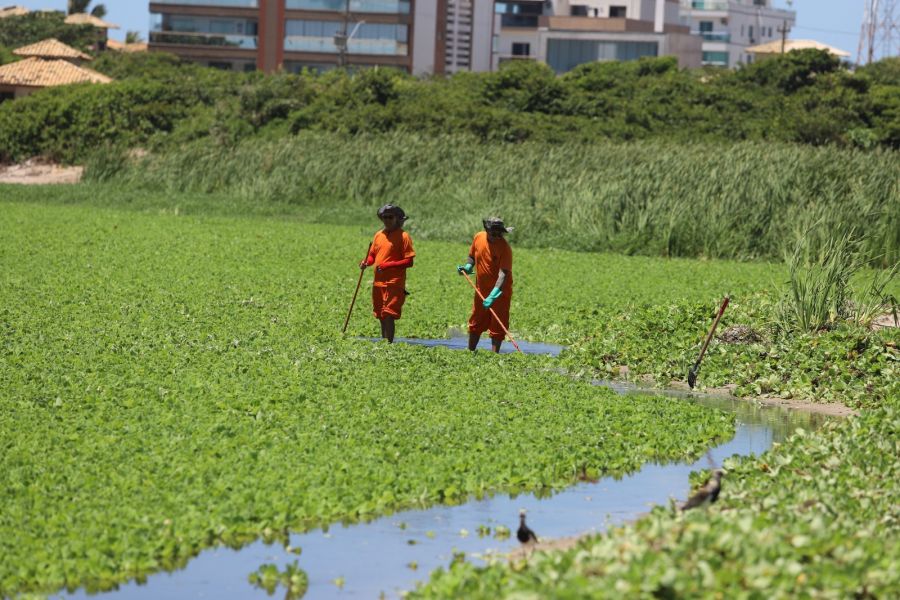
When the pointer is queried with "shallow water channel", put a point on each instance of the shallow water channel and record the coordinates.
(372, 558)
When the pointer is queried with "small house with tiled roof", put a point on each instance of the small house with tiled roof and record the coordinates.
(46, 64)
(12, 11)
(123, 47)
(52, 48)
(100, 25)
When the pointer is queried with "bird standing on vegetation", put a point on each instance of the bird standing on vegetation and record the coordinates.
(708, 492)
(524, 533)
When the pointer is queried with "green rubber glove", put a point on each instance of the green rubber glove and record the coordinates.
(467, 268)
(495, 293)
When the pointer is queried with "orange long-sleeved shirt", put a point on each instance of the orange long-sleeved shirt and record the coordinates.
(390, 247)
(490, 257)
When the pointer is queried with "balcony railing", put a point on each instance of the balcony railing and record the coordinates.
(523, 21)
(296, 43)
(228, 3)
(709, 5)
(713, 36)
(510, 57)
(203, 39)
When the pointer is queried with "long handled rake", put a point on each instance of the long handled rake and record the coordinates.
(352, 302)
(692, 375)
(469, 279)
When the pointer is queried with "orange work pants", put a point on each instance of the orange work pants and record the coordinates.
(482, 320)
(388, 301)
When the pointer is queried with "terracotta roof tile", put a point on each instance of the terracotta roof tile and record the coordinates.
(50, 48)
(39, 72)
(775, 47)
(120, 47)
(12, 11)
(86, 19)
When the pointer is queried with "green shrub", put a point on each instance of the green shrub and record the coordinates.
(35, 26)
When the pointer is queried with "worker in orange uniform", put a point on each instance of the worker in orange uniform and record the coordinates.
(490, 258)
(392, 254)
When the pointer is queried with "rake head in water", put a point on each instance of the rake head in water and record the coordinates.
(692, 376)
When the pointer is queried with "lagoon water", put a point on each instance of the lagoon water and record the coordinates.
(375, 558)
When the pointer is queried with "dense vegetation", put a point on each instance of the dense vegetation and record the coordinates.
(172, 378)
(175, 382)
(35, 26)
(158, 102)
(750, 200)
(136, 344)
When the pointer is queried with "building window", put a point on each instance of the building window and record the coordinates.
(203, 31)
(216, 3)
(521, 49)
(578, 10)
(370, 38)
(513, 14)
(706, 26)
(617, 12)
(356, 6)
(718, 59)
(565, 55)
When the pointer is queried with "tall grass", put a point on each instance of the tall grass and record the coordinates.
(744, 201)
(820, 293)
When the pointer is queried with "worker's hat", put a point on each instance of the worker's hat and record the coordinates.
(495, 224)
(391, 209)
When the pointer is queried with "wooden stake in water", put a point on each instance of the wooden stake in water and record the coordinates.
(692, 375)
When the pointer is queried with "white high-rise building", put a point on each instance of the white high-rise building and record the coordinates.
(567, 33)
(728, 28)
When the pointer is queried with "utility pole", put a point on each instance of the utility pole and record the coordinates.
(783, 30)
(880, 30)
(341, 38)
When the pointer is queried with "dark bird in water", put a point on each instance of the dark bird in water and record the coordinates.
(708, 492)
(524, 533)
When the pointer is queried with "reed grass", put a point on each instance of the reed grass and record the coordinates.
(742, 201)
(821, 294)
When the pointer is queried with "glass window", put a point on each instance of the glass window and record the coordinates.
(217, 26)
(355, 6)
(565, 55)
(578, 10)
(715, 58)
(706, 26)
(617, 12)
(203, 31)
(521, 49)
(303, 35)
(238, 3)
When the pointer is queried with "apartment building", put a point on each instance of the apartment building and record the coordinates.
(419, 36)
(567, 33)
(728, 28)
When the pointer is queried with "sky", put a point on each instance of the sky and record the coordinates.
(833, 22)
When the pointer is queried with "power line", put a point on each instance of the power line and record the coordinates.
(853, 33)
